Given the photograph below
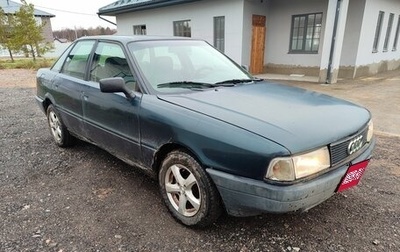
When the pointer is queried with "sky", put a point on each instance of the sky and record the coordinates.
(74, 13)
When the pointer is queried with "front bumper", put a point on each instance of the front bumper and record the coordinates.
(247, 197)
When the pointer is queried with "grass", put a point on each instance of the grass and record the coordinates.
(26, 63)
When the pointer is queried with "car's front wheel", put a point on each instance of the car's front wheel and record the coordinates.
(60, 133)
(188, 191)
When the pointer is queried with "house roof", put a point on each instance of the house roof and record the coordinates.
(11, 7)
(123, 6)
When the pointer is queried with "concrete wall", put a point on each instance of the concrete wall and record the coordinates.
(160, 22)
(356, 58)
(352, 40)
(47, 30)
(352, 33)
(368, 62)
(278, 34)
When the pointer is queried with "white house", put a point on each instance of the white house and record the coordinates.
(324, 38)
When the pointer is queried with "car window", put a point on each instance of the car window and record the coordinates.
(164, 52)
(182, 62)
(109, 61)
(59, 63)
(200, 58)
(75, 63)
(159, 64)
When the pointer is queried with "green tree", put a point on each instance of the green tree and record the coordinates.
(27, 32)
(6, 33)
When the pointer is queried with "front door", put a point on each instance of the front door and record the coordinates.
(112, 120)
(258, 45)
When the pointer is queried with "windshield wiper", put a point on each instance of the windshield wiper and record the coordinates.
(186, 84)
(256, 79)
(234, 81)
(194, 85)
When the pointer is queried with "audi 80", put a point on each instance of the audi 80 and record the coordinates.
(215, 137)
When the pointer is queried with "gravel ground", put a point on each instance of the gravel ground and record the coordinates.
(84, 199)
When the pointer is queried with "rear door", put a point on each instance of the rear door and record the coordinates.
(67, 85)
(111, 120)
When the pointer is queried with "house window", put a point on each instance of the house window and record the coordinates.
(139, 30)
(388, 32)
(396, 38)
(378, 31)
(219, 33)
(305, 33)
(182, 28)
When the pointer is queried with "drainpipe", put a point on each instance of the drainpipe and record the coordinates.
(106, 20)
(329, 74)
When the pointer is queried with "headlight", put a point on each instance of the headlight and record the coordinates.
(370, 131)
(300, 166)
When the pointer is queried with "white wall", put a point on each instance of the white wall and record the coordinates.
(278, 32)
(160, 22)
(365, 56)
(352, 33)
(358, 39)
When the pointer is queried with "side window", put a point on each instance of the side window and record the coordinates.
(75, 64)
(59, 63)
(109, 61)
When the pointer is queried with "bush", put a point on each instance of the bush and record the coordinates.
(26, 63)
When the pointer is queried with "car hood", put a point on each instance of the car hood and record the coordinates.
(298, 119)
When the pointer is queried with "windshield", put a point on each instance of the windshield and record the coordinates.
(179, 65)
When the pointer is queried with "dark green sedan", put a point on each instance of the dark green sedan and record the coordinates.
(216, 138)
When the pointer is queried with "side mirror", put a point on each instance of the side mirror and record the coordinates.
(115, 85)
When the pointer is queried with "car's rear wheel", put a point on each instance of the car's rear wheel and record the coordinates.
(188, 191)
(60, 134)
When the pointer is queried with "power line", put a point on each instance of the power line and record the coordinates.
(71, 12)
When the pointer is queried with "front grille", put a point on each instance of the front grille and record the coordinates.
(339, 150)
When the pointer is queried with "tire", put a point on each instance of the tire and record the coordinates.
(187, 190)
(59, 132)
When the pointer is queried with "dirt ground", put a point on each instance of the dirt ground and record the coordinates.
(84, 199)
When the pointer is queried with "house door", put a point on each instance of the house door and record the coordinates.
(258, 45)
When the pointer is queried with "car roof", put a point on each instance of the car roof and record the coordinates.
(127, 39)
